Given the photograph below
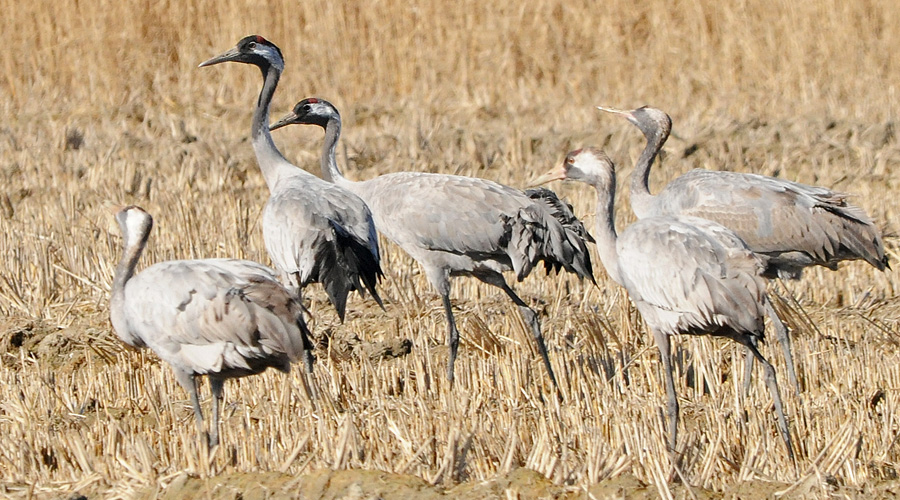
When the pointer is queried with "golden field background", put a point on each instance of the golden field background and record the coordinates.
(102, 104)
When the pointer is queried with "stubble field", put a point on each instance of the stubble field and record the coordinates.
(102, 105)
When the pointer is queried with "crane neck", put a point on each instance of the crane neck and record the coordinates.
(641, 199)
(606, 235)
(273, 164)
(330, 170)
(131, 253)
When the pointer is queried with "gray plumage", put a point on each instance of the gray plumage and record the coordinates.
(223, 318)
(461, 226)
(314, 231)
(686, 275)
(794, 225)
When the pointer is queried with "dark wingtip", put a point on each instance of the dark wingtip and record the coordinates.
(377, 299)
(341, 307)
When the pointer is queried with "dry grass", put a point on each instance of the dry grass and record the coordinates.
(102, 104)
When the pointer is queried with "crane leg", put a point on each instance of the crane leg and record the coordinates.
(781, 333)
(453, 335)
(216, 385)
(531, 318)
(748, 367)
(665, 356)
(772, 383)
(189, 382)
(308, 358)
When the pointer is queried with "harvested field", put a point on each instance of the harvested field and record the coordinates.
(103, 105)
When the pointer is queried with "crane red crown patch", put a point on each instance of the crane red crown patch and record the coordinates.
(313, 100)
(260, 39)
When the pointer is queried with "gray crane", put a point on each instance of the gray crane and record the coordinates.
(685, 275)
(794, 225)
(461, 226)
(314, 230)
(223, 318)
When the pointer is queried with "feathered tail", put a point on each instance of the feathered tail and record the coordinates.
(276, 333)
(548, 231)
(856, 234)
(348, 264)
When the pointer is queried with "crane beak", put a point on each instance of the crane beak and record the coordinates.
(616, 111)
(231, 54)
(287, 119)
(557, 173)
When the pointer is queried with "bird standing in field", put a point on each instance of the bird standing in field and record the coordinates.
(461, 226)
(223, 318)
(794, 225)
(314, 230)
(686, 275)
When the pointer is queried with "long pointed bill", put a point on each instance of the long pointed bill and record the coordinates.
(556, 173)
(287, 119)
(229, 55)
(616, 111)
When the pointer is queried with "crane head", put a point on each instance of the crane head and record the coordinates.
(309, 111)
(652, 122)
(590, 165)
(252, 49)
(135, 224)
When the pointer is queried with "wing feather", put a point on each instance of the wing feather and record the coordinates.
(689, 275)
(215, 315)
(797, 224)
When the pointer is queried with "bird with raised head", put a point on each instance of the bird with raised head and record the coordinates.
(314, 231)
(222, 318)
(794, 225)
(685, 275)
(461, 226)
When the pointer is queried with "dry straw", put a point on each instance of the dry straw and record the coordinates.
(101, 104)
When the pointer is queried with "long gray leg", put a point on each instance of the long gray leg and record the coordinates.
(217, 387)
(781, 333)
(772, 383)
(440, 280)
(748, 367)
(665, 356)
(291, 281)
(452, 336)
(531, 318)
(307, 356)
(189, 382)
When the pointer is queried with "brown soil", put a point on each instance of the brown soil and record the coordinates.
(520, 483)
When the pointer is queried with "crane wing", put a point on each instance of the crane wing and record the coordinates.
(318, 231)
(442, 212)
(777, 217)
(215, 315)
(689, 275)
(298, 222)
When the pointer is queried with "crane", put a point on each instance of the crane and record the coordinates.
(795, 225)
(223, 318)
(685, 275)
(461, 226)
(314, 231)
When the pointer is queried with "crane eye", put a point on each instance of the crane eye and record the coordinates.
(251, 45)
(570, 160)
(306, 108)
